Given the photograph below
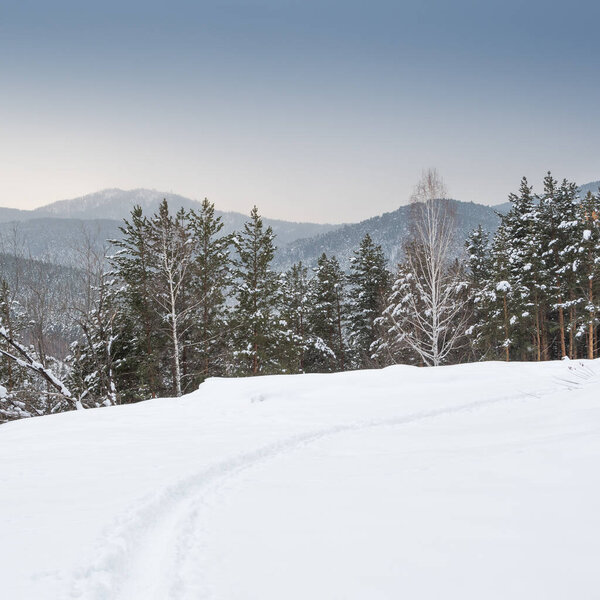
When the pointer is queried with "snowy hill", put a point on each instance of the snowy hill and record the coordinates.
(464, 482)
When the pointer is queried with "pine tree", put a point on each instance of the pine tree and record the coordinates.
(370, 280)
(571, 232)
(258, 334)
(502, 294)
(589, 271)
(210, 283)
(391, 347)
(558, 211)
(327, 318)
(295, 309)
(133, 266)
(541, 291)
(479, 265)
(524, 272)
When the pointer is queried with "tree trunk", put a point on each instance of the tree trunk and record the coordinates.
(506, 338)
(175, 338)
(545, 354)
(146, 320)
(339, 332)
(538, 339)
(572, 327)
(561, 324)
(591, 328)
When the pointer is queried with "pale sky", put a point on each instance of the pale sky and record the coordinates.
(321, 111)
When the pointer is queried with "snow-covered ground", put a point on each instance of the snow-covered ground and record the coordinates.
(467, 482)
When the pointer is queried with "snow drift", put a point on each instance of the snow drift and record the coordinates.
(472, 481)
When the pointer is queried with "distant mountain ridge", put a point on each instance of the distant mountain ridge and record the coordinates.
(59, 231)
(116, 204)
(113, 205)
(593, 186)
(389, 230)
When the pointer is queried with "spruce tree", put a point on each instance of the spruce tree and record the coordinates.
(369, 280)
(589, 272)
(525, 272)
(327, 318)
(294, 312)
(258, 334)
(502, 295)
(134, 268)
(479, 265)
(570, 232)
(391, 346)
(550, 211)
(211, 280)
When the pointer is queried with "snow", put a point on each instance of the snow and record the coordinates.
(472, 481)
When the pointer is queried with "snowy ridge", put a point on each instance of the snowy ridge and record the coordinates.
(178, 492)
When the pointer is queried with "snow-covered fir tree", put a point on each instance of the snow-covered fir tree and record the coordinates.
(258, 333)
(588, 255)
(479, 262)
(295, 309)
(133, 268)
(562, 229)
(327, 316)
(211, 281)
(537, 301)
(369, 281)
(525, 272)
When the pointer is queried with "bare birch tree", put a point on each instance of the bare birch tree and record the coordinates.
(427, 313)
(173, 247)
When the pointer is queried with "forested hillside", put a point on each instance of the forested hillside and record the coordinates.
(390, 231)
(56, 232)
(175, 298)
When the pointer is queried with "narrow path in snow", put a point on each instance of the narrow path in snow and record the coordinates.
(141, 556)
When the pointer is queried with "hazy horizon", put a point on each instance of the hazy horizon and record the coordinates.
(321, 112)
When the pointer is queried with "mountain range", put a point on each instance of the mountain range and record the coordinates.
(60, 231)
(115, 205)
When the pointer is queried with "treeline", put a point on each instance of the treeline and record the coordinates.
(181, 302)
(535, 285)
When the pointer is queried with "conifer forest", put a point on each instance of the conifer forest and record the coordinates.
(175, 301)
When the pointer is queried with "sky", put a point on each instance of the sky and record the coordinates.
(323, 111)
